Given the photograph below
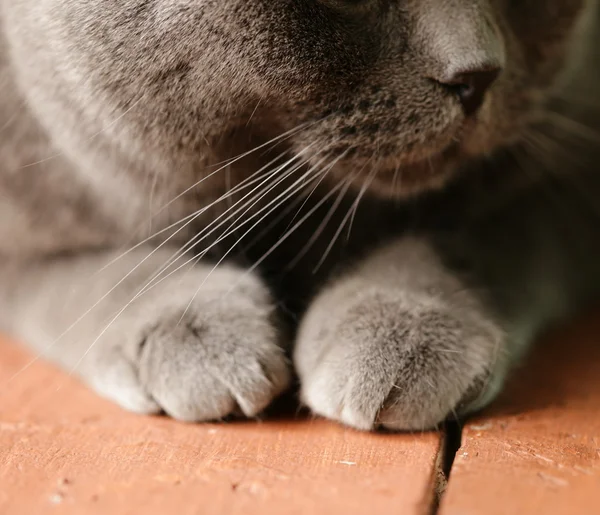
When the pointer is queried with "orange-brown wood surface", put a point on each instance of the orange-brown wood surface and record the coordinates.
(537, 450)
(63, 450)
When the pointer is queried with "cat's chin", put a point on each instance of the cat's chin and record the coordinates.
(417, 171)
(394, 179)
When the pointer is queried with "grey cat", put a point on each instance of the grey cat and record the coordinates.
(391, 197)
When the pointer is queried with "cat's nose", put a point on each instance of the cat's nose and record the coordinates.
(470, 86)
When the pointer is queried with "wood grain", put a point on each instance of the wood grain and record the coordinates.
(538, 449)
(63, 450)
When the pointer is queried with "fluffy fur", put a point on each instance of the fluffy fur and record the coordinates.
(192, 192)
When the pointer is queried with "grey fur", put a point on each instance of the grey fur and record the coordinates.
(380, 346)
(116, 116)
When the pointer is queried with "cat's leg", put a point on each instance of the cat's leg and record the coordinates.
(200, 344)
(399, 341)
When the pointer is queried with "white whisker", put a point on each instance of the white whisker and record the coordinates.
(350, 214)
(251, 269)
(325, 220)
(296, 187)
(205, 233)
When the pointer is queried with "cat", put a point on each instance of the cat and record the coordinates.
(201, 200)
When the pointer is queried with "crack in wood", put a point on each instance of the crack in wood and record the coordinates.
(450, 443)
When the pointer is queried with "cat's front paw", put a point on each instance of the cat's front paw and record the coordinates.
(380, 360)
(219, 355)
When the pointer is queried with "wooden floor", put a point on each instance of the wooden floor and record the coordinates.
(537, 451)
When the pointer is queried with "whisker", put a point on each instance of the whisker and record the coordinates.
(341, 195)
(202, 235)
(274, 204)
(237, 242)
(367, 183)
(287, 234)
(572, 126)
(395, 181)
(111, 290)
(254, 112)
(557, 182)
(12, 118)
(252, 179)
(315, 236)
(291, 207)
(147, 288)
(350, 214)
(235, 160)
(330, 167)
(188, 219)
(222, 167)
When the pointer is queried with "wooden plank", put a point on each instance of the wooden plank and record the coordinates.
(63, 450)
(538, 449)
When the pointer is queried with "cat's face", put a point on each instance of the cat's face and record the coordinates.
(394, 91)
